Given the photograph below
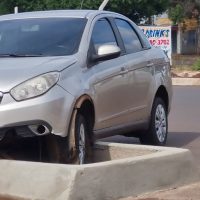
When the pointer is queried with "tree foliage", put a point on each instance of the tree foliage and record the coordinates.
(134, 9)
(139, 9)
(184, 9)
(176, 14)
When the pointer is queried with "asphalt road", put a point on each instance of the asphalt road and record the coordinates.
(184, 121)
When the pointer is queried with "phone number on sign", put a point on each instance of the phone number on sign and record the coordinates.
(159, 42)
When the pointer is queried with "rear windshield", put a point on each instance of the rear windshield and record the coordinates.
(41, 36)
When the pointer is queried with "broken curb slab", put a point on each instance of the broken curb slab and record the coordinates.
(122, 170)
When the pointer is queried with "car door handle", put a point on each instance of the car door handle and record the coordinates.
(124, 70)
(150, 65)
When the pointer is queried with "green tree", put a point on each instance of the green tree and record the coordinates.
(183, 9)
(134, 9)
(176, 14)
(139, 9)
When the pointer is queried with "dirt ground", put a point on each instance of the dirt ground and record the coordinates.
(189, 192)
(185, 74)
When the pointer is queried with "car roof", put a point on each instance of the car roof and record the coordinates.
(55, 13)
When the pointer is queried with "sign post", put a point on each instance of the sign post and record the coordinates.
(103, 5)
(16, 10)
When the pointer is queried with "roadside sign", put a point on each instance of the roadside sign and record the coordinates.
(159, 36)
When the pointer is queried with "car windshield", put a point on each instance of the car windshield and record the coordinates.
(40, 36)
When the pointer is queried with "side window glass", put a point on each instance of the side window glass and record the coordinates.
(129, 37)
(103, 34)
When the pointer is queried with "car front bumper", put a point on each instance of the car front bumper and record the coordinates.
(53, 109)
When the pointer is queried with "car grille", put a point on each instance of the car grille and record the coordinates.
(1, 96)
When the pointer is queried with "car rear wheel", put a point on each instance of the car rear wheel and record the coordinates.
(158, 127)
(58, 148)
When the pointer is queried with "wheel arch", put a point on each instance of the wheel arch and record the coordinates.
(163, 94)
(85, 106)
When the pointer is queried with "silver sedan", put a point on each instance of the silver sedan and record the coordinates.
(75, 75)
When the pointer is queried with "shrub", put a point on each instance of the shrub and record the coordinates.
(196, 65)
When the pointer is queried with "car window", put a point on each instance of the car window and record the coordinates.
(129, 36)
(103, 34)
(41, 36)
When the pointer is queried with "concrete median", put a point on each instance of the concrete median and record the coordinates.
(119, 170)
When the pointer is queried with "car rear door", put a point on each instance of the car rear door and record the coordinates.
(140, 69)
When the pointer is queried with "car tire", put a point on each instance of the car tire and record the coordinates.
(158, 126)
(82, 142)
(58, 149)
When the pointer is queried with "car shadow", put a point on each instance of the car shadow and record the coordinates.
(175, 139)
(181, 139)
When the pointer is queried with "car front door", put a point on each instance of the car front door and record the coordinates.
(110, 80)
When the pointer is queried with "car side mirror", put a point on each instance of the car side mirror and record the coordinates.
(106, 52)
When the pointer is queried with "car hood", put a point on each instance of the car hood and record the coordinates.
(14, 71)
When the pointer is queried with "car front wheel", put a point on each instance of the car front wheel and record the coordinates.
(81, 139)
(158, 127)
(59, 149)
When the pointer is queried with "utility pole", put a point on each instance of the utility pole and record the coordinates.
(103, 5)
(16, 10)
(82, 1)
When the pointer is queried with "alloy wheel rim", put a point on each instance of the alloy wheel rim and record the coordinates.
(160, 123)
(81, 144)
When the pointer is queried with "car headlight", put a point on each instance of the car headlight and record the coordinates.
(35, 87)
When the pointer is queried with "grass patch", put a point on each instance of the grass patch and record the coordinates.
(196, 65)
(182, 68)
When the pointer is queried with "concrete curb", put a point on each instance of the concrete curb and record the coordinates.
(186, 81)
(159, 169)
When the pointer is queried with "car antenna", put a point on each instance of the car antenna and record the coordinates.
(103, 5)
